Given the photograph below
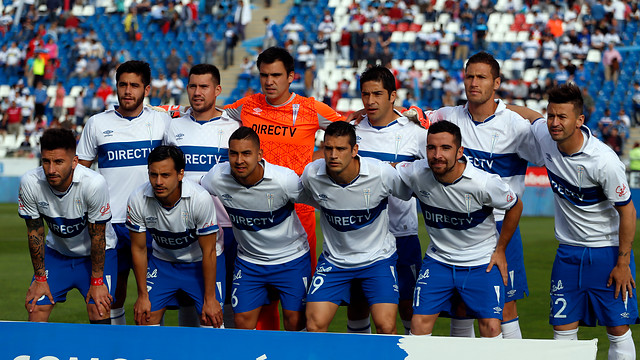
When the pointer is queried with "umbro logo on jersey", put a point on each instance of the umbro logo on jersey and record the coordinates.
(358, 138)
(625, 315)
(179, 136)
(425, 193)
(512, 292)
(322, 197)
(151, 219)
(43, 204)
(107, 133)
(497, 310)
(548, 157)
(257, 110)
(226, 197)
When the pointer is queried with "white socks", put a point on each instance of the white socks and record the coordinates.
(117, 317)
(621, 347)
(565, 334)
(362, 326)
(407, 326)
(462, 328)
(511, 329)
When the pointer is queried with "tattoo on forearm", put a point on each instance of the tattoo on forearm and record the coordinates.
(623, 253)
(35, 234)
(98, 244)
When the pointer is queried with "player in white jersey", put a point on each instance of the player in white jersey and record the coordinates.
(496, 140)
(120, 141)
(202, 133)
(593, 276)
(80, 245)
(352, 193)
(386, 135)
(180, 216)
(273, 252)
(457, 201)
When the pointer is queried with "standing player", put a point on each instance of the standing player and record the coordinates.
(593, 276)
(80, 246)
(498, 141)
(386, 135)
(353, 193)
(120, 140)
(273, 251)
(202, 133)
(457, 201)
(286, 123)
(180, 216)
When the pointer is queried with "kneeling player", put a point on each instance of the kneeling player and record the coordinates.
(80, 246)
(457, 201)
(273, 252)
(181, 218)
(353, 194)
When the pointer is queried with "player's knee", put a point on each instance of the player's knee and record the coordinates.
(617, 330)
(386, 327)
(40, 313)
(316, 324)
(293, 321)
(244, 321)
(489, 327)
(94, 314)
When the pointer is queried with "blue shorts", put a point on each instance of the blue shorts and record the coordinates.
(481, 291)
(66, 272)
(408, 265)
(331, 283)
(517, 287)
(252, 282)
(579, 289)
(184, 300)
(124, 247)
(165, 279)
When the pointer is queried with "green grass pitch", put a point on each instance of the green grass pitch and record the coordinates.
(539, 251)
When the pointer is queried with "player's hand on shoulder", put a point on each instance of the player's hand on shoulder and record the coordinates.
(356, 117)
(142, 310)
(36, 290)
(211, 313)
(623, 279)
(101, 298)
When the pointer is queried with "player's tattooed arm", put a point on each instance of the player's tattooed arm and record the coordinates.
(98, 245)
(35, 233)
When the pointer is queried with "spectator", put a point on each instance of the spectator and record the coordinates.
(611, 59)
(327, 26)
(372, 57)
(320, 48)
(13, 58)
(111, 101)
(531, 49)
(49, 72)
(517, 58)
(597, 40)
(247, 66)
(158, 90)
(93, 67)
(612, 37)
(210, 49)
(41, 99)
(58, 102)
(241, 18)
(304, 56)
(636, 104)
(520, 89)
(79, 109)
(175, 87)
(624, 119)
(186, 66)
(589, 105)
(230, 41)
(190, 15)
(12, 120)
(131, 24)
(292, 29)
(25, 150)
(614, 140)
(480, 34)
(345, 44)
(549, 50)
(270, 31)
(463, 40)
(173, 61)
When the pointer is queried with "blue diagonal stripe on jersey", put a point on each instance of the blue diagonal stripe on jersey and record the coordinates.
(439, 218)
(503, 165)
(202, 158)
(348, 220)
(250, 220)
(66, 228)
(386, 156)
(173, 240)
(578, 197)
(122, 154)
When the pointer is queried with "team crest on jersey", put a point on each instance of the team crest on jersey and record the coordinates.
(179, 136)
(296, 109)
(107, 133)
(494, 141)
(270, 201)
(226, 197)
(185, 217)
(257, 110)
(78, 203)
(43, 205)
(367, 197)
(467, 203)
(622, 190)
(580, 170)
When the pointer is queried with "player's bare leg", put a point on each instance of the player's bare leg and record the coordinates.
(384, 317)
(40, 313)
(319, 315)
(621, 344)
(293, 320)
(489, 328)
(423, 324)
(154, 318)
(510, 324)
(247, 319)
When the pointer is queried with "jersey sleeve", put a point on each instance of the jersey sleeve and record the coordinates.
(613, 180)
(97, 198)
(27, 206)
(435, 115)
(135, 216)
(208, 181)
(326, 115)
(498, 194)
(305, 196)
(404, 170)
(394, 183)
(87, 146)
(234, 110)
(527, 148)
(422, 144)
(204, 214)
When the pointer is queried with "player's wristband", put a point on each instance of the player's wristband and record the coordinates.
(96, 281)
(41, 278)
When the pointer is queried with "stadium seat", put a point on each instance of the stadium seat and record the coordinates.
(343, 105)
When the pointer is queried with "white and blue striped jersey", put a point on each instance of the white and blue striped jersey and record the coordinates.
(401, 140)
(174, 231)
(586, 187)
(459, 216)
(354, 217)
(68, 214)
(501, 144)
(204, 144)
(121, 146)
(265, 223)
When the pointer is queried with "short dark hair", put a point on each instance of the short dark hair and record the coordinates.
(380, 74)
(202, 69)
(245, 133)
(485, 58)
(57, 138)
(567, 93)
(342, 128)
(164, 152)
(136, 67)
(274, 54)
(448, 127)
